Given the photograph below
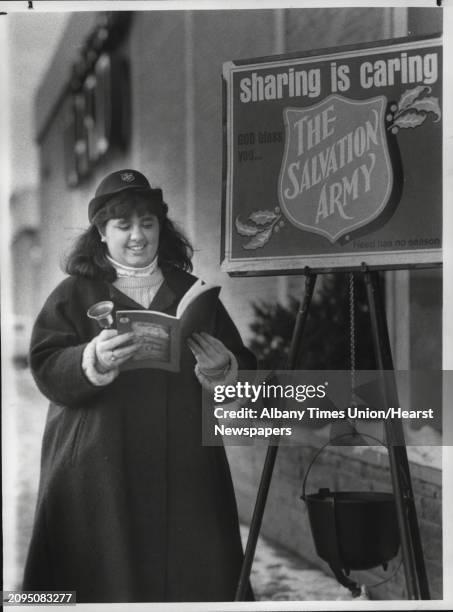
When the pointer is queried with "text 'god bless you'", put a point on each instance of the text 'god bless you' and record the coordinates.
(315, 167)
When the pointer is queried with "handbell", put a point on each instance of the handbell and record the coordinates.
(102, 313)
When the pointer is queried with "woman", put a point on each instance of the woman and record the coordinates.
(131, 505)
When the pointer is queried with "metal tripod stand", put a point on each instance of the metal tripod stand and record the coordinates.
(411, 547)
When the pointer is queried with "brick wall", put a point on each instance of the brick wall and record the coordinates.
(341, 468)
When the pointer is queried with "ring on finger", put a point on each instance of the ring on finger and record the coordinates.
(113, 356)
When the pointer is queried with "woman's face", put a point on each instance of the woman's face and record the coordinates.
(133, 241)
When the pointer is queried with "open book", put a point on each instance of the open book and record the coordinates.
(163, 335)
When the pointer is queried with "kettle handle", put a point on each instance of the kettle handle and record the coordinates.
(319, 451)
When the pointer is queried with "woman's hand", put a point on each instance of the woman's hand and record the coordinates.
(113, 349)
(211, 354)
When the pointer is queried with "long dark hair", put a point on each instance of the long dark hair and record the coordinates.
(88, 255)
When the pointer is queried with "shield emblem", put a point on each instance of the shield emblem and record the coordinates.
(127, 177)
(336, 174)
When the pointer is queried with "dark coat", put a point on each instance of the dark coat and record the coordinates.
(131, 505)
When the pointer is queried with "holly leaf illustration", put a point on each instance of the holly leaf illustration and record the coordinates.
(409, 120)
(245, 230)
(261, 217)
(428, 105)
(409, 96)
(259, 240)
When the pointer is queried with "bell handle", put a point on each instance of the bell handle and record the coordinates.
(319, 451)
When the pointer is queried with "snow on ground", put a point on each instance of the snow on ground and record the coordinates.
(279, 575)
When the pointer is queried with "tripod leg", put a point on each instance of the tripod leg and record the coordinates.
(413, 559)
(269, 462)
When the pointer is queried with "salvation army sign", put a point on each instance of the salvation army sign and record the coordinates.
(334, 159)
(335, 152)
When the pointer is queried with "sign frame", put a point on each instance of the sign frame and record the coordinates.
(319, 262)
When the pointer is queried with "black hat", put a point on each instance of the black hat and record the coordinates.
(118, 181)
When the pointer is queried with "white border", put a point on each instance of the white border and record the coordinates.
(157, 5)
(284, 606)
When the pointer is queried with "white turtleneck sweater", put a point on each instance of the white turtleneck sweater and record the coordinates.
(140, 284)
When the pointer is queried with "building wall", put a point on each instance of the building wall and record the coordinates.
(25, 252)
(180, 143)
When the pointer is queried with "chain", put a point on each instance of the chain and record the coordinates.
(352, 336)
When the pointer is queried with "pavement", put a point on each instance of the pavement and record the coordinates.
(276, 575)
